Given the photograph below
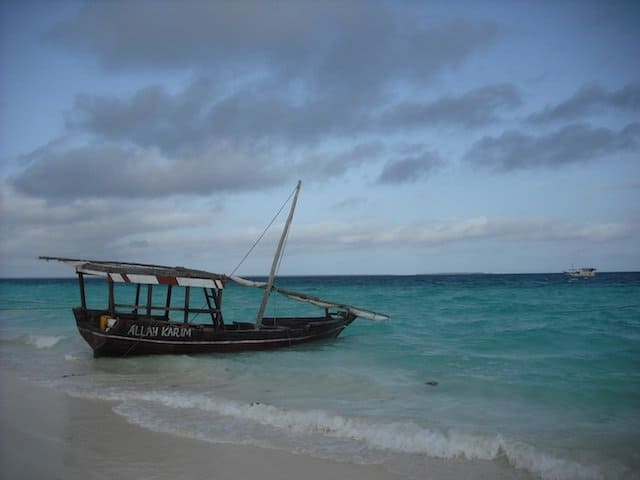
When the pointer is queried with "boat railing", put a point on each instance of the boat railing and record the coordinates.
(165, 309)
(154, 308)
(149, 307)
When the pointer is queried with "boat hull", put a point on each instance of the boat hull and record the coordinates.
(581, 273)
(135, 335)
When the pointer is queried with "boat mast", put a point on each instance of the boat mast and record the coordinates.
(276, 258)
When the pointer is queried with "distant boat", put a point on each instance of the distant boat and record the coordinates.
(584, 272)
(142, 324)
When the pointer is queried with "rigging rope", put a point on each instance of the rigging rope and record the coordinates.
(263, 233)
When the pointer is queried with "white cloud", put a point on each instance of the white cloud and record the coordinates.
(442, 232)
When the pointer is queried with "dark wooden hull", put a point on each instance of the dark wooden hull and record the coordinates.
(139, 335)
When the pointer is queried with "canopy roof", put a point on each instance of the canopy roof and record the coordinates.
(144, 273)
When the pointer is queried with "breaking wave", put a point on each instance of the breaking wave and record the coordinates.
(43, 341)
(395, 437)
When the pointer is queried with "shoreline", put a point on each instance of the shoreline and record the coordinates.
(50, 434)
(47, 433)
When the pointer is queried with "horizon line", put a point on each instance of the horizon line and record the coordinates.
(345, 275)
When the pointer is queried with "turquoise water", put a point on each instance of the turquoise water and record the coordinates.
(535, 373)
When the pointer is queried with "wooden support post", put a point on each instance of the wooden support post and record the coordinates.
(83, 300)
(208, 298)
(149, 298)
(111, 299)
(186, 304)
(168, 304)
(217, 298)
(135, 310)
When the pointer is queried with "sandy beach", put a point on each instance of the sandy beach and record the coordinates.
(46, 433)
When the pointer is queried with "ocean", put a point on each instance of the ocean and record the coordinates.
(537, 373)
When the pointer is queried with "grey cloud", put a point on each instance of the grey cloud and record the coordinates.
(328, 165)
(178, 34)
(349, 49)
(409, 169)
(578, 143)
(274, 117)
(152, 117)
(589, 99)
(350, 203)
(378, 49)
(181, 123)
(476, 107)
(60, 172)
(82, 227)
(296, 74)
(112, 170)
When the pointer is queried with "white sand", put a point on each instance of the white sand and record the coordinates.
(46, 434)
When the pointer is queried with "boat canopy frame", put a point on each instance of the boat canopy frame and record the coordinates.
(212, 283)
(149, 275)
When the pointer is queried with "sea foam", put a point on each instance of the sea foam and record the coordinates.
(43, 341)
(370, 434)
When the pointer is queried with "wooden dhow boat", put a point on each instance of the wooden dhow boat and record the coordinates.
(144, 326)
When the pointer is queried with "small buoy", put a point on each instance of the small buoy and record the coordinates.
(433, 383)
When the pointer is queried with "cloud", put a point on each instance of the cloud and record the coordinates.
(336, 163)
(303, 69)
(91, 227)
(149, 34)
(476, 107)
(346, 40)
(591, 99)
(358, 235)
(150, 118)
(181, 123)
(294, 84)
(380, 48)
(59, 171)
(154, 230)
(409, 169)
(577, 143)
(350, 203)
(111, 170)
(269, 85)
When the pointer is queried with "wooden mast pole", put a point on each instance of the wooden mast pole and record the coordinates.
(276, 258)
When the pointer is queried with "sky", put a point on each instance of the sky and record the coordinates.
(430, 137)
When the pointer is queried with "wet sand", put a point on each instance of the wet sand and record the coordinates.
(45, 433)
(48, 434)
